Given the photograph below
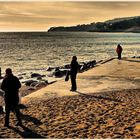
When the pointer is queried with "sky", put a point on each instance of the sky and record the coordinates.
(40, 16)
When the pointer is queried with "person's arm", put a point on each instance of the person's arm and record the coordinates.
(117, 49)
(3, 85)
(18, 83)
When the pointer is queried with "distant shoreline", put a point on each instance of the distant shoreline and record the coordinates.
(70, 31)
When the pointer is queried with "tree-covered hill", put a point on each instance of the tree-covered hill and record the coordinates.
(127, 24)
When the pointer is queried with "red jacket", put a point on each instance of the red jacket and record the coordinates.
(119, 49)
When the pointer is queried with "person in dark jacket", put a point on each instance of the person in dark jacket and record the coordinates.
(10, 85)
(73, 73)
(119, 51)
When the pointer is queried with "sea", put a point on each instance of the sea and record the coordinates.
(27, 52)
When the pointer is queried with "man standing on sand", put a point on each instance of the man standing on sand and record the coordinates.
(119, 51)
(73, 73)
(10, 85)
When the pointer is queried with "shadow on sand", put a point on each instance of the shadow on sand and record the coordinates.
(98, 97)
(27, 133)
(31, 119)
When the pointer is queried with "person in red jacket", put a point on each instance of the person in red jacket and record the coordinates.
(10, 85)
(119, 51)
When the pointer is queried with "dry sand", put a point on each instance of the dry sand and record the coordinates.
(102, 115)
(83, 114)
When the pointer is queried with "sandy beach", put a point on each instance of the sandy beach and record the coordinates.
(106, 106)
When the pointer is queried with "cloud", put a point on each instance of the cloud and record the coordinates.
(46, 14)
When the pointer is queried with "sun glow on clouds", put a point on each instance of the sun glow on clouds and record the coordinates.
(42, 15)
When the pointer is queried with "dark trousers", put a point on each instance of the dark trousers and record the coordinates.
(15, 109)
(119, 55)
(73, 83)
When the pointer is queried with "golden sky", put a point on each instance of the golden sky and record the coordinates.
(40, 16)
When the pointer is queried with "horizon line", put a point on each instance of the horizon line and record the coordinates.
(69, 1)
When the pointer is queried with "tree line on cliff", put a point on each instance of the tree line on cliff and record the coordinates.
(127, 24)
